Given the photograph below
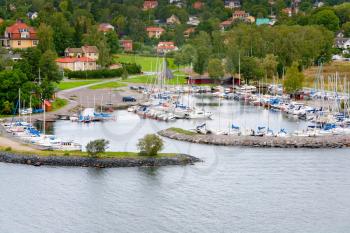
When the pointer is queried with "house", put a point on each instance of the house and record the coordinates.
(105, 27)
(226, 24)
(250, 19)
(166, 46)
(189, 31)
(154, 32)
(197, 5)
(76, 63)
(232, 4)
(339, 34)
(240, 15)
(342, 43)
(193, 21)
(178, 3)
(262, 21)
(127, 45)
(32, 15)
(288, 11)
(172, 20)
(20, 36)
(149, 5)
(85, 51)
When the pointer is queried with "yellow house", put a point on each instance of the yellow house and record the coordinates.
(20, 36)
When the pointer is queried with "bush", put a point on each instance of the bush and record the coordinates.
(150, 145)
(105, 73)
(96, 147)
(8, 148)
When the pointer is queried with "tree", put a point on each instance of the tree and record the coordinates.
(150, 145)
(49, 73)
(346, 28)
(96, 147)
(270, 65)
(202, 43)
(251, 69)
(45, 36)
(112, 41)
(294, 79)
(215, 69)
(326, 18)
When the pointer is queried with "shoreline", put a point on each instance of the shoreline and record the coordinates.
(78, 161)
(335, 141)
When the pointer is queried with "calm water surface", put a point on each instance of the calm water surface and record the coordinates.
(234, 190)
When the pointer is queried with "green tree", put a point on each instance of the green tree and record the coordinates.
(150, 145)
(346, 28)
(49, 73)
(270, 65)
(45, 36)
(96, 147)
(112, 41)
(215, 69)
(326, 18)
(251, 69)
(202, 43)
(294, 79)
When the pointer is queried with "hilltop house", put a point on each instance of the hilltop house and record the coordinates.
(76, 63)
(193, 21)
(85, 51)
(127, 45)
(172, 20)
(189, 31)
(105, 27)
(197, 5)
(19, 36)
(166, 46)
(154, 32)
(148, 5)
(342, 43)
(226, 24)
(32, 15)
(232, 4)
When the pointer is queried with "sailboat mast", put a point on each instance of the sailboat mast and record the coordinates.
(19, 102)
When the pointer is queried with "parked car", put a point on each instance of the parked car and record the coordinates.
(129, 99)
(135, 88)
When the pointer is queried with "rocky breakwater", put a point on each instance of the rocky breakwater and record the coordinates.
(72, 161)
(334, 141)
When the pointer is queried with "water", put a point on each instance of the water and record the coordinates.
(234, 190)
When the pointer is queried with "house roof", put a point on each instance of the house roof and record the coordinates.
(74, 59)
(73, 50)
(105, 27)
(15, 30)
(89, 49)
(150, 4)
(155, 29)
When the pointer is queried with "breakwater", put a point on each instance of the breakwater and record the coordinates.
(75, 161)
(334, 141)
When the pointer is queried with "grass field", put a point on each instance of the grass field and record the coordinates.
(58, 103)
(112, 84)
(65, 85)
(118, 155)
(147, 63)
(150, 79)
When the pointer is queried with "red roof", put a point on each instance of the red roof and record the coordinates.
(14, 31)
(166, 45)
(155, 29)
(150, 4)
(197, 5)
(74, 59)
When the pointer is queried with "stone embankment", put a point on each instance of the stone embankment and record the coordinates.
(335, 141)
(35, 160)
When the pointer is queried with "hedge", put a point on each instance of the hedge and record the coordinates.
(104, 73)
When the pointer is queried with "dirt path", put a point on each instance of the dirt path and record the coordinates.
(6, 142)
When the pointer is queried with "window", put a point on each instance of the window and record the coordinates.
(19, 42)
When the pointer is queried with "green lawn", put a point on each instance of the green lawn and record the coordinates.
(112, 84)
(150, 79)
(65, 85)
(58, 103)
(120, 155)
(182, 131)
(147, 63)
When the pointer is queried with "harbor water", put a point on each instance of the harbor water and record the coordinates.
(233, 190)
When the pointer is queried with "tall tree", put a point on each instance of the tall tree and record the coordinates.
(294, 79)
(45, 36)
(215, 69)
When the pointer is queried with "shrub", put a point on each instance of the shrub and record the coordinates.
(150, 145)
(105, 73)
(8, 148)
(96, 147)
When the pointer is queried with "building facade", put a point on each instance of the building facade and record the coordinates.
(20, 36)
